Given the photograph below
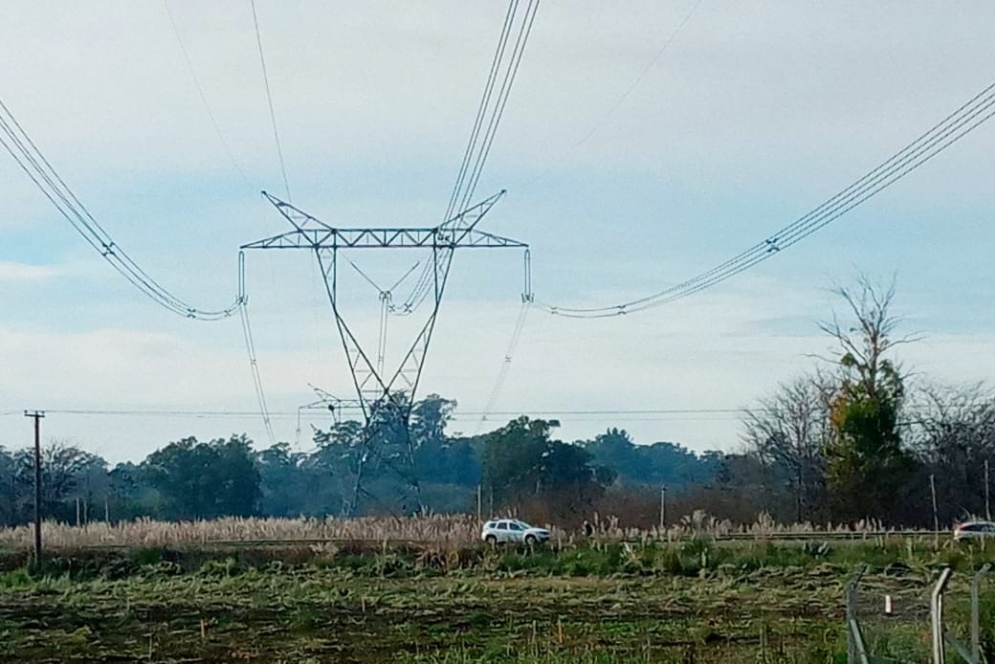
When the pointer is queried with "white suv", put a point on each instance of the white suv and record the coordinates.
(974, 530)
(513, 530)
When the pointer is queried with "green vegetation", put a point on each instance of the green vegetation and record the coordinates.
(852, 441)
(696, 601)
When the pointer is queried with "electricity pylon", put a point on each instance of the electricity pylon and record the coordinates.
(386, 397)
(328, 403)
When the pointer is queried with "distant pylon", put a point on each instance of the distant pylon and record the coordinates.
(386, 397)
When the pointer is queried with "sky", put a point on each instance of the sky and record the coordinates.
(632, 158)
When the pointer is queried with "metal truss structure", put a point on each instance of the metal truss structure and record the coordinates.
(386, 397)
(327, 403)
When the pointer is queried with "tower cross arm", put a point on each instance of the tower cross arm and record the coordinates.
(384, 238)
(312, 233)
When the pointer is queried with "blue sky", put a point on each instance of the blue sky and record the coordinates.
(755, 114)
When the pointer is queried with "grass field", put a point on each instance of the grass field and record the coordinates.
(691, 602)
(450, 530)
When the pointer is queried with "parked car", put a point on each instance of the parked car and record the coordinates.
(501, 531)
(973, 530)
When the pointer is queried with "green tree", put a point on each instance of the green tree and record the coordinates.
(8, 489)
(867, 464)
(205, 480)
(62, 469)
(512, 459)
(520, 460)
(661, 463)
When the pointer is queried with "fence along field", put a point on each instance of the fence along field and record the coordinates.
(425, 590)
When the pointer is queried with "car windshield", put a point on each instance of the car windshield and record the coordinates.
(524, 525)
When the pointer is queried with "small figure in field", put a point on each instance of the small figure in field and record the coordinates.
(588, 529)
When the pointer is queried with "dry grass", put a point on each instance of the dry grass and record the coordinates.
(701, 524)
(445, 530)
(448, 530)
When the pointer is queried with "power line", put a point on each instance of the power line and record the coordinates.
(40, 171)
(269, 98)
(250, 347)
(203, 97)
(951, 129)
(646, 70)
(469, 413)
(516, 335)
(488, 118)
(243, 310)
(497, 113)
(482, 108)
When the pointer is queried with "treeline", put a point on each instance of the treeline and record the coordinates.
(861, 438)
(854, 439)
(516, 465)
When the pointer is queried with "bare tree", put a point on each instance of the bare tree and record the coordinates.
(872, 334)
(867, 465)
(952, 430)
(787, 432)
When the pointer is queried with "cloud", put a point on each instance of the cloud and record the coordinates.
(21, 272)
(756, 113)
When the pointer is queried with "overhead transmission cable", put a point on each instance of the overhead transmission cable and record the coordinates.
(639, 79)
(249, 343)
(504, 68)
(497, 110)
(269, 98)
(203, 414)
(516, 336)
(40, 171)
(203, 97)
(250, 346)
(243, 311)
(951, 129)
(482, 108)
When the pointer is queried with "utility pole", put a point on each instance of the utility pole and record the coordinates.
(663, 507)
(936, 518)
(988, 504)
(37, 415)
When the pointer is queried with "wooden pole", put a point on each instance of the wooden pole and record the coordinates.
(936, 518)
(479, 502)
(37, 415)
(663, 508)
(988, 504)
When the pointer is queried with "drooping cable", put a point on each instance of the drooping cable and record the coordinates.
(269, 98)
(505, 364)
(250, 347)
(951, 129)
(40, 171)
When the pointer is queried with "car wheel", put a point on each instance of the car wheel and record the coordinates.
(491, 539)
(531, 540)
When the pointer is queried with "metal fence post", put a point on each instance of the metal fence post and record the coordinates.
(936, 615)
(855, 649)
(976, 612)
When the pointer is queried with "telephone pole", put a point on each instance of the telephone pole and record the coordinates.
(37, 415)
